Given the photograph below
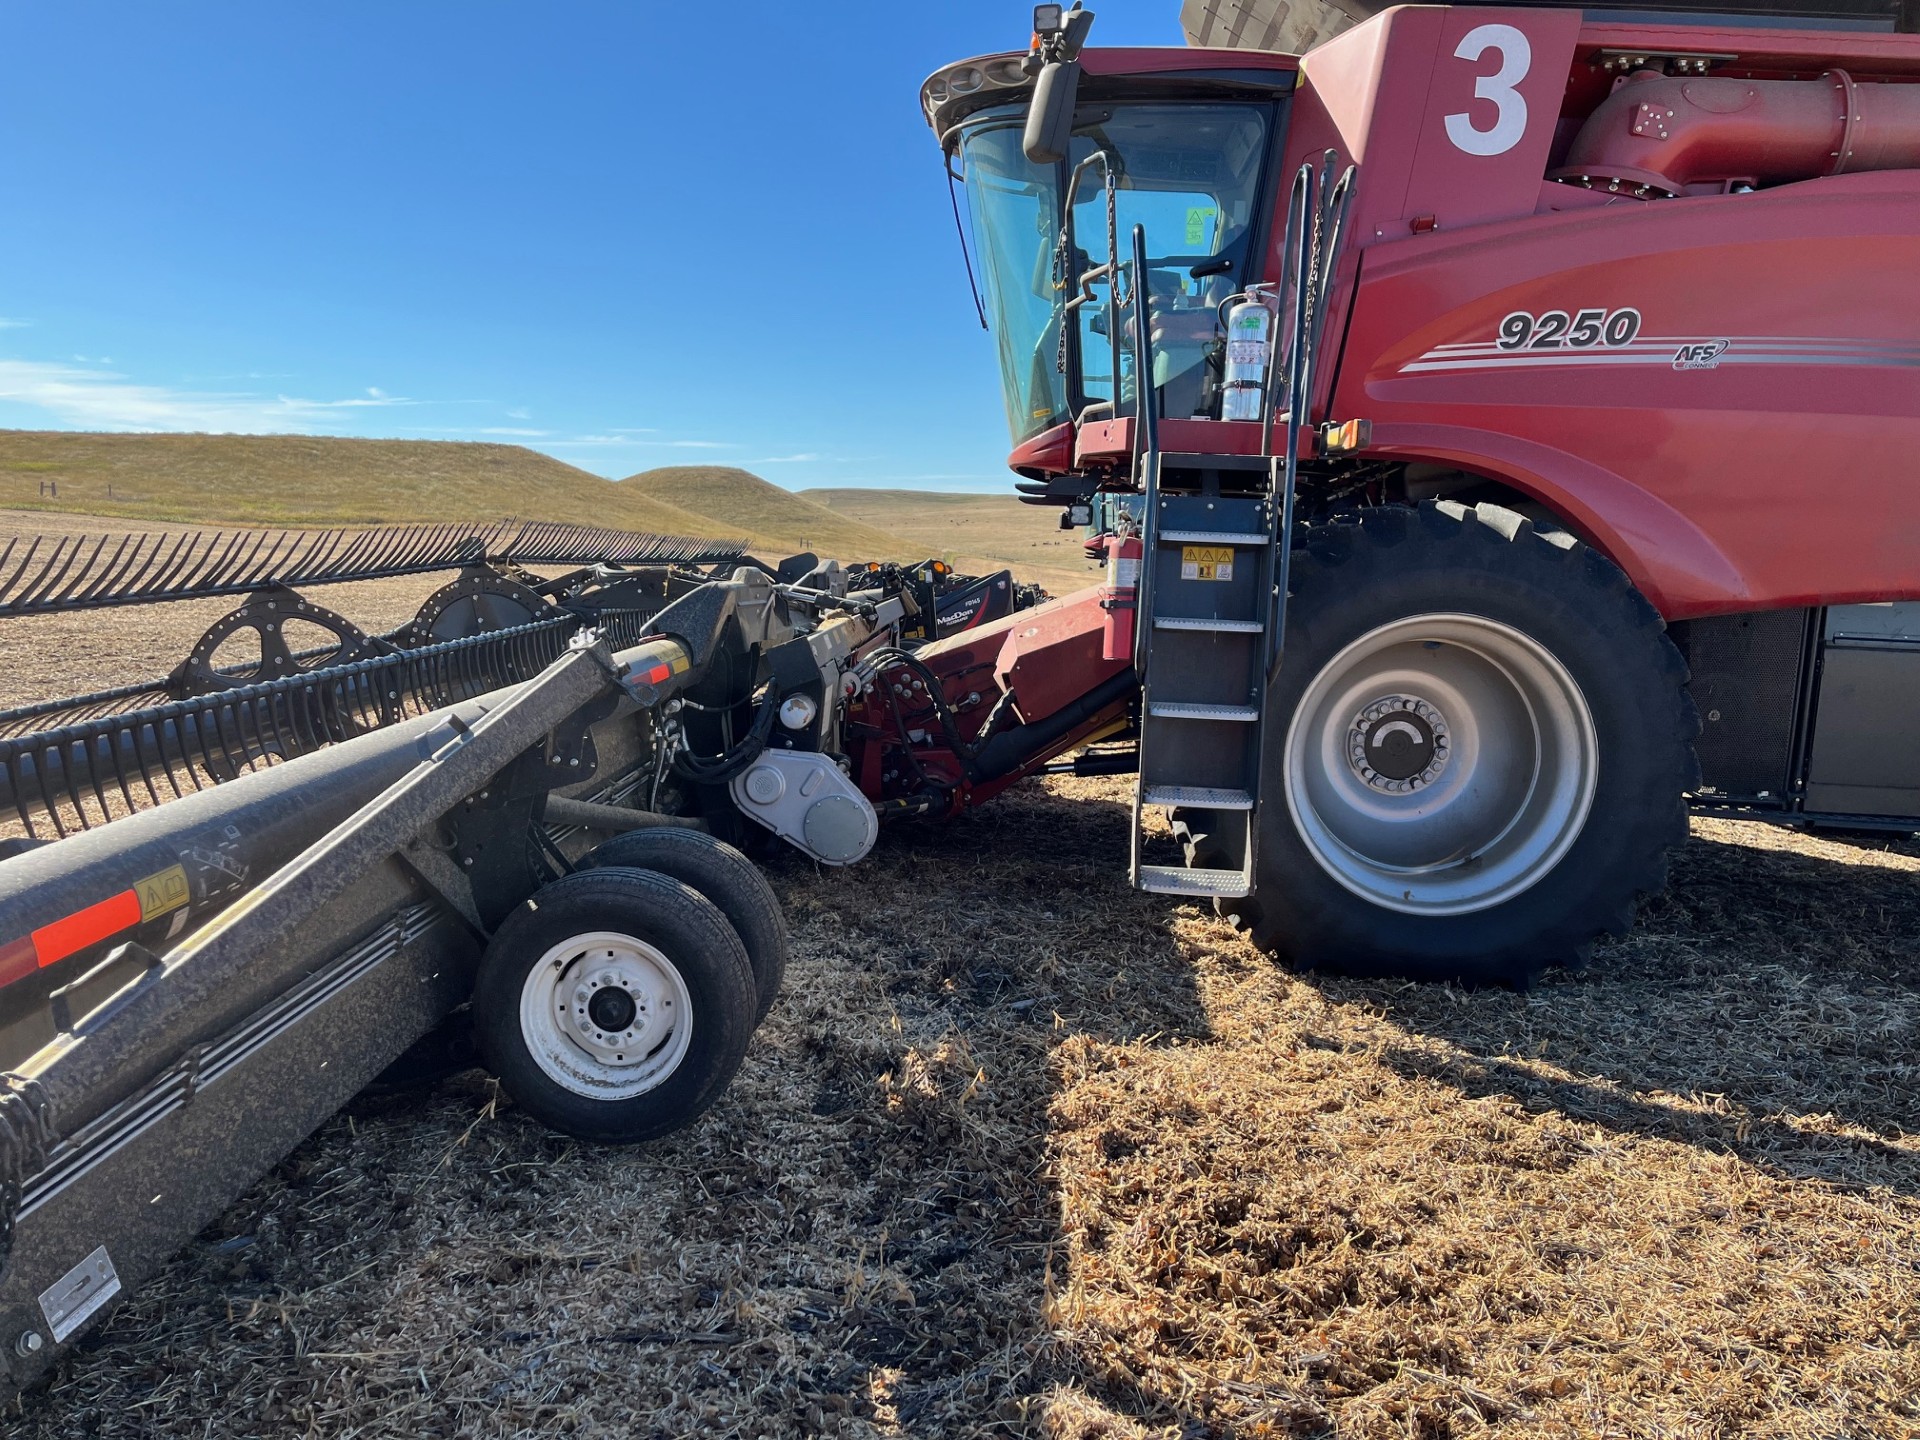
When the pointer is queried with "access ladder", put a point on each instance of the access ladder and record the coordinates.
(1213, 577)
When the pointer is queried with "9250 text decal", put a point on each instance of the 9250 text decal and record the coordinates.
(1557, 329)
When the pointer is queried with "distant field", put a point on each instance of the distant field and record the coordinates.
(983, 531)
(297, 480)
(312, 480)
(778, 522)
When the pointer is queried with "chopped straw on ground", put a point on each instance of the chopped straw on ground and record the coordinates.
(1022, 1152)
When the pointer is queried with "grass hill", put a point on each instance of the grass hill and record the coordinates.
(743, 504)
(321, 480)
(977, 532)
(314, 480)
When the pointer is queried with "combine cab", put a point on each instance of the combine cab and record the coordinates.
(1493, 397)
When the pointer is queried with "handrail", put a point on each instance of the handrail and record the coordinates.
(1316, 224)
(1146, 443)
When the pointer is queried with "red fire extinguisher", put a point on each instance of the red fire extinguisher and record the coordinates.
(1119, 595)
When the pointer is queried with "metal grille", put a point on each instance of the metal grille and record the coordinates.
(43, 574)
(82, 775)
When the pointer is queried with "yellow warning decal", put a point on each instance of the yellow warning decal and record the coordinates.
(1206, 562)
(163, 893)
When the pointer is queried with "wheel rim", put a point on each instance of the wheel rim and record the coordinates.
(606, 1015)
(1441, 764)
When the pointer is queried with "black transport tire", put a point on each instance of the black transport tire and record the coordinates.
(629, 924)
(1478, 574)
(727, 878)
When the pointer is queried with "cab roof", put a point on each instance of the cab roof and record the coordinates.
(954, 92)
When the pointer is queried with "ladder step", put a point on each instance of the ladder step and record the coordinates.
(1201, 797)
(1170, 710)
(1195, 622)
(1210, 537)
(1178, 880)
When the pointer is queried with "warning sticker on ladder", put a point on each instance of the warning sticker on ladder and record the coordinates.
(1206, 562)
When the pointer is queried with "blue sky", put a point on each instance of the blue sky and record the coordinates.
(627, 234)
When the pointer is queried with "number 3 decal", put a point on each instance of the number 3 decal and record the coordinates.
(1510, 119)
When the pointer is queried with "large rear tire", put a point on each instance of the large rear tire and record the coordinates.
(1475, 753)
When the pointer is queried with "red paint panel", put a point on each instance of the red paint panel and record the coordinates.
(86, 927)
(1776, 473)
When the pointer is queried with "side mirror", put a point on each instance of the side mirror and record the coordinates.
(1057, 39)
(1050, 119)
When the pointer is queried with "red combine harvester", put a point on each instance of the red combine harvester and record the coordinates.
(1463, 386)
(1446, 404)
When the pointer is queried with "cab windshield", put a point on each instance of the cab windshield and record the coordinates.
(1191, 174)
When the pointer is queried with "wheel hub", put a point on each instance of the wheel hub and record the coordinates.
(1440, 764)
(609, 1010)
(1398, 744)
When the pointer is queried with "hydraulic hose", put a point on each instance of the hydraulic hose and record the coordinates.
(1013, 749)
(893, 655)
(718, 769)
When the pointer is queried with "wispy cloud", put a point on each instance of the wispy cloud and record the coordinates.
(786, 459)
(6, 324)
(104, 399)
(509, 430)
(519, 414)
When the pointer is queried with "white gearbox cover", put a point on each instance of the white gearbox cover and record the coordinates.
(808, 801)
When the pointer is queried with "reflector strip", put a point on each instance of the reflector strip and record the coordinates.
(86, 927)
(149, 899)
(17, 961)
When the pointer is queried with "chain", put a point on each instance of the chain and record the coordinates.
(26, 1135)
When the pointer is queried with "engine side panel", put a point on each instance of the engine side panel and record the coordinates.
(1744, 441)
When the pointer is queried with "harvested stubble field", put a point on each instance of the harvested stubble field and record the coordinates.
(1022, 1152)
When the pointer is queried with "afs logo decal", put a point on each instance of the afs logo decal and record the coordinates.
(1700, 355)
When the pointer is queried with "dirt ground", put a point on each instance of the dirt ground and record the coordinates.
(1021, 1152)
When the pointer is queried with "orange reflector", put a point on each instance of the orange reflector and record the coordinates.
(86, 927)
(1346, 437)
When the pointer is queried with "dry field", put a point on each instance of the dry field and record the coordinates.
(978, 531)
(314, 480)
(778, 521)
(1022, 1152)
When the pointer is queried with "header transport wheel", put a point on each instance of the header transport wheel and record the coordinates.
(1480, 742)
(724, 876)
(614, 1005)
